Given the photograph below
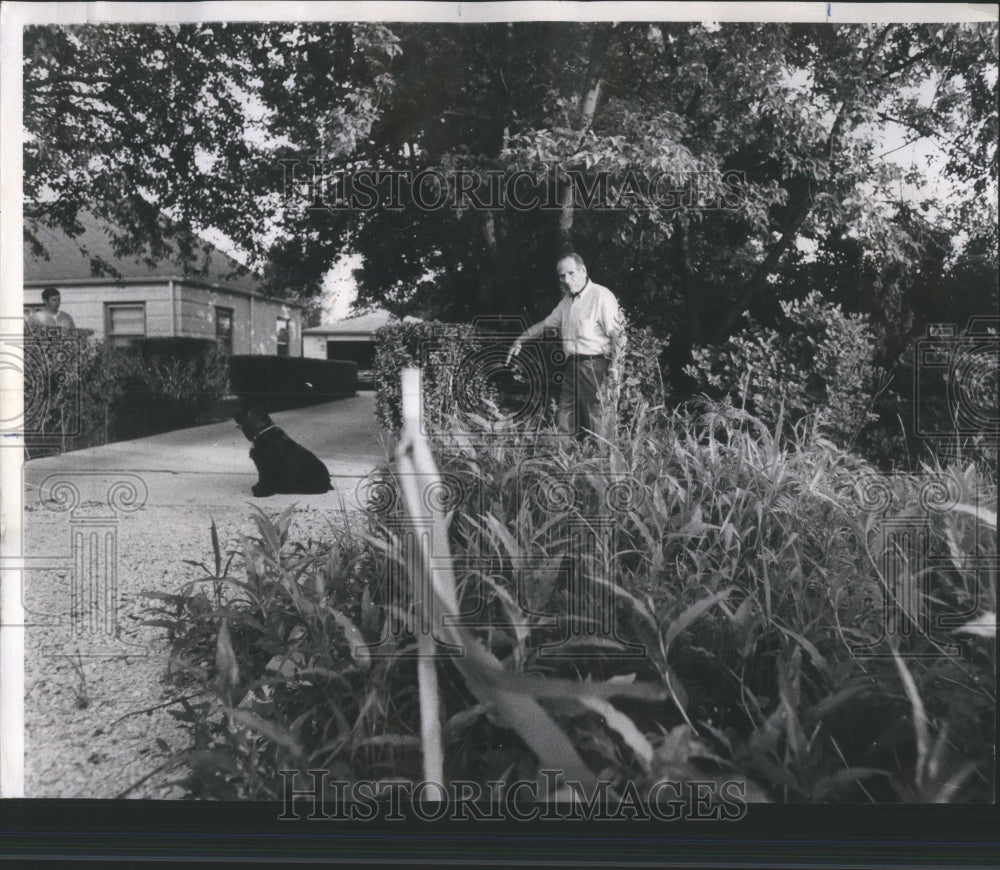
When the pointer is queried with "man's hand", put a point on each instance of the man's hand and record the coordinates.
(613, 384)
(515, 349)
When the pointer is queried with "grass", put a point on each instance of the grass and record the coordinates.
(81, 692)
(704, 598)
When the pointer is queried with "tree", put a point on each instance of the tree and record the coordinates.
(167, 132)
(768, 135)
(795, 110)
(779, 124)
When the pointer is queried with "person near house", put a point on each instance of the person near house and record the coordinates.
(50, 315)
(592, 329)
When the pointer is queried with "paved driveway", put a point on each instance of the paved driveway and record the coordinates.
(94, 675)
(210, 466)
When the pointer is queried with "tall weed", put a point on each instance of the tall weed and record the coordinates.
(705, 595)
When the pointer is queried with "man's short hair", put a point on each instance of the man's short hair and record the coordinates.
(50, 291)
(576, 258)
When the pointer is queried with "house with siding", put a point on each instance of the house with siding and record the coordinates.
(160, 298)
(350, 339)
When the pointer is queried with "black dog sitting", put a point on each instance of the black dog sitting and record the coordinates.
(282, 465)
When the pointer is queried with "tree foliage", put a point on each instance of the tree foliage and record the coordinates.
(168, 132)
(777, 128)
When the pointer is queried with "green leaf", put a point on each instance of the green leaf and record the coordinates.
(691, 615)
(271, 730)
(359, 649)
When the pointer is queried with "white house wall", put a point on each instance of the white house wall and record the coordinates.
(266, 314)
(197, 318)
(196, 315)
(86, 304)
(183, 310)
(314, 345)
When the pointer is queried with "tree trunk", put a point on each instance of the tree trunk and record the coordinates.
(487, 298)
(692, 311)
(765, 268)
(589, 97)
(682, 342)
(565, 217)
(486, 288)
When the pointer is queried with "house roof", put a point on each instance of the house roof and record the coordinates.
(70, 260)
(363, 324)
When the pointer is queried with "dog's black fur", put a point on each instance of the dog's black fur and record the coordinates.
(282, 464)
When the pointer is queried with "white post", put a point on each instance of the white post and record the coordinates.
(430, 713)
(410, 384)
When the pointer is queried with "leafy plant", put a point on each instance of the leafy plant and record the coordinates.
(439, 349)
(177, 378)
(820, 362)
(81, 692)
(73, 388)
(278, 656)
(740, 612)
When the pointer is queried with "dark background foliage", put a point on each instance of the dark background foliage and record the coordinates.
(195, 120)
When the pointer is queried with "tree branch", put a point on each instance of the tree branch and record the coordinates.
(920, 55)
(770, 261)
(691, 308)
(595, 65)
(766, 266)
(918, 127)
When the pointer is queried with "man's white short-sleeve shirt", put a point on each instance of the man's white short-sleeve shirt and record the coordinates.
(587, 321)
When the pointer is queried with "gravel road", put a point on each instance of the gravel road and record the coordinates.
(105, 524)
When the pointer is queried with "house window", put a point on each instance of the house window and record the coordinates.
(224, 330)
(125, 323)
(283, 336)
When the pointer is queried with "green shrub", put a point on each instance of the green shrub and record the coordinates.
(461, 373)
(758, 559)
(79, 392)
(273, 636)
(945, 392)
(73, 386)
(439, 349)
(642, 376)
(819, 362)
(176, 379)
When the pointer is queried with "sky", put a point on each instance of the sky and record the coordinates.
(340, 289)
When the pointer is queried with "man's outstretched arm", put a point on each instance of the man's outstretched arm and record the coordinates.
(536, 330)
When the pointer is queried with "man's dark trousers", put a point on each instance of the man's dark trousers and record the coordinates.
(580, 404)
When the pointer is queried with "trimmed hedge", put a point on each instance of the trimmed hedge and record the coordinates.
(440, 350)
(463, 370)
(79, 392)
(278, 382)
(67, 401)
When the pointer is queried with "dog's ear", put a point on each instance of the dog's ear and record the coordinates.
(240, 416)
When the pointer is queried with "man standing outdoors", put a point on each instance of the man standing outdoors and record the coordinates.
(593, 338)
(50, 315)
